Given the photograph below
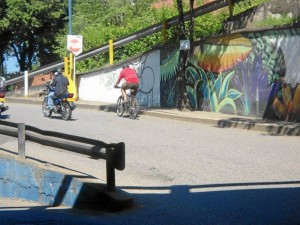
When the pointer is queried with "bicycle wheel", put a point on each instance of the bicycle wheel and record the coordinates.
(133, 108)
(120, 107)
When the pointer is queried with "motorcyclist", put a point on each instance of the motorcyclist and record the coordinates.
(2, 84)
(60, 84)
(2, 94)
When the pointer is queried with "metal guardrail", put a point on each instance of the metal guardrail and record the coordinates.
(202, 10)
(114, 154)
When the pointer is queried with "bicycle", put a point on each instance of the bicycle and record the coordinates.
(131, 106)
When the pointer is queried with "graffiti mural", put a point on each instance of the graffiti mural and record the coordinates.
(236, 74)
(149, 75)
(98, 85)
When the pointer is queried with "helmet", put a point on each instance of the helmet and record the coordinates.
(57, 72)
(125, 66)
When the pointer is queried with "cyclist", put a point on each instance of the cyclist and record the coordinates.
(131, 81)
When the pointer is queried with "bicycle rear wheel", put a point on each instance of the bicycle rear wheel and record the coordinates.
(120, 107)
(133, 108)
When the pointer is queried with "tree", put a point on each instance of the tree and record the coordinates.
(5, 37)
(32, 25)
(184, 33)
(99, 21)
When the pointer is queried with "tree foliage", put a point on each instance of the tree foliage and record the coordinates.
(35, 31)
(31, 26)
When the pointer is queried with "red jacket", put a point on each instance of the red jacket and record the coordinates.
(129, 75)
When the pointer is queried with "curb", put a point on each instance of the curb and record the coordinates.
(270, 127)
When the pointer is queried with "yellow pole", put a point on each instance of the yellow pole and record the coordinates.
(69, 73)
(111, 52)
(66, 66)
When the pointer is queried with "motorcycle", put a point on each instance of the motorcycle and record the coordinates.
(61, 105)
(2, 100)
(2, 95)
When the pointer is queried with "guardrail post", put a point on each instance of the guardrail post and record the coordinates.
(26, 83)
(110, 170)
(21, 140)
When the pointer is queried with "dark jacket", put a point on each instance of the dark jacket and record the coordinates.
(60, 83)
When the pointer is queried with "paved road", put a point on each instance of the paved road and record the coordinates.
(181, 172)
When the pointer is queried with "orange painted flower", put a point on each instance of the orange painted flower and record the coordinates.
(289, 108)
(221, 54)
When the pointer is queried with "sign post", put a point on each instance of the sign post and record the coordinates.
(74, 45)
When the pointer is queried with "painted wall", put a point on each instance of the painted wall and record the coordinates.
(53, 186)
(98, 85)
(250, 74)
(23, 180)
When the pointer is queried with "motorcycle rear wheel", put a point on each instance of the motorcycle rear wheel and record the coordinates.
(46, 111)
(66, 111)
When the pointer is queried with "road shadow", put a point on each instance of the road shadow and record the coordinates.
(262, 203)
(59, 118)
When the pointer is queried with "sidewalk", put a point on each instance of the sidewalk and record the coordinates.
(211, 118)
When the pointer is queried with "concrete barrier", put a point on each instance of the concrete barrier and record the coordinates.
(50, 185)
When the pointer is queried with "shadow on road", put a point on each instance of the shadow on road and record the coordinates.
(236, 203)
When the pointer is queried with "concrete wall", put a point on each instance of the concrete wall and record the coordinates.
(249, 73)
(52, 186)
(98, 85)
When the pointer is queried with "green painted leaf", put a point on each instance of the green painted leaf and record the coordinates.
(225, 85)
(233, 94)
(169, 68)
(227, 101)
(218, 85)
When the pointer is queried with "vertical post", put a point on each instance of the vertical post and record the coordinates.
(26, 83)
(70, 74)
(66, 65)
(111, 52)
(21, 140)
(110, 170)
(70, 16)
(74, 79)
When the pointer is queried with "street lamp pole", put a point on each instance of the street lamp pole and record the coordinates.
(70, 17)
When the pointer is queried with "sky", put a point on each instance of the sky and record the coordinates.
(12, 65)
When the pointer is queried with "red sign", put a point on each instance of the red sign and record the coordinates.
(74, 44)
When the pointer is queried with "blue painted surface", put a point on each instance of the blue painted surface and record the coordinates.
(23, 180)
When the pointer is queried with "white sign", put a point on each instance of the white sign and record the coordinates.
(74, 44)
(184, 44)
